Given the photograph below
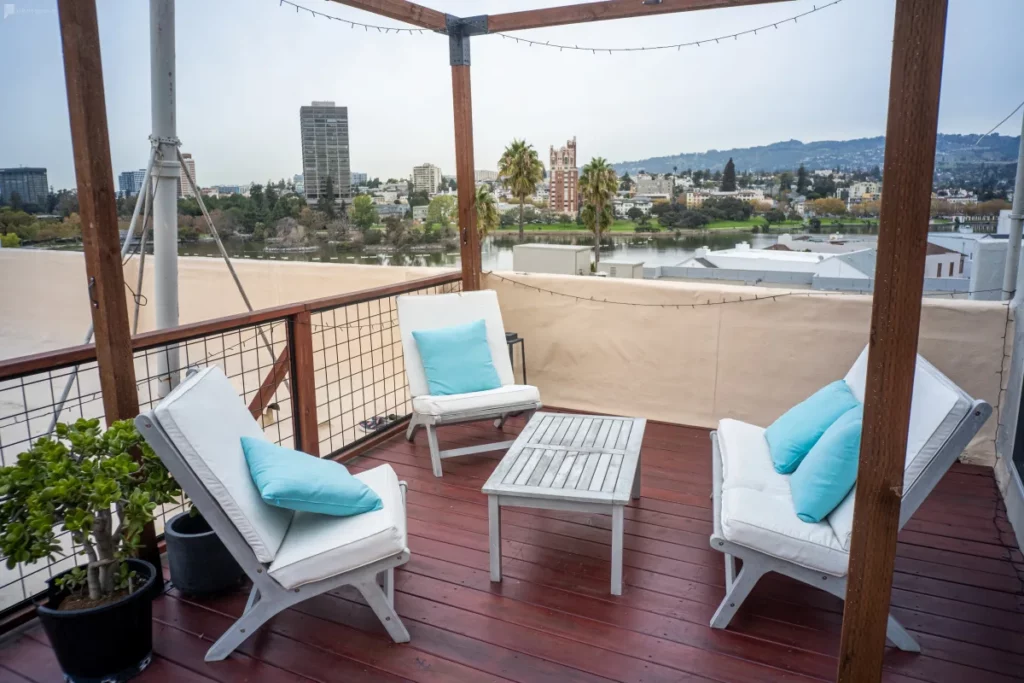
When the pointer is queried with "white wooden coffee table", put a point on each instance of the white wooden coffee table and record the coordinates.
(560, 461)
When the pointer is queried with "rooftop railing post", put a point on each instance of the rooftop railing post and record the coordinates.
(914, 84)
(459, 31)
(1016, 222)
(87, 111)
(300, 341)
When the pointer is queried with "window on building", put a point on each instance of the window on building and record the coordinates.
(951, 269)
(961, 265)
(938, 270)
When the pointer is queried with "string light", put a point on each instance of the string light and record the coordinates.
(351, 24)
(561, 47)
(673, 46)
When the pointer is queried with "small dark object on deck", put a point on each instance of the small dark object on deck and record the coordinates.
(199, 562)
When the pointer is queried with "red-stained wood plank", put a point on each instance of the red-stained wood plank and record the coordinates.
(8, 676)
(552, 619)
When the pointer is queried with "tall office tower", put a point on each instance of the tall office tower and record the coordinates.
(325, 152)
(564, 179)
(184, 189)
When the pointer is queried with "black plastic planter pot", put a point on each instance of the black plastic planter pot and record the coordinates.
(199, 562)
(113, 642)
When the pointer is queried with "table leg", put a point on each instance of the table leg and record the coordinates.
(494, 532)
(617, 523)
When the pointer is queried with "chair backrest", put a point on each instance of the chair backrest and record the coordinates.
(203, 420)
(427, 312)
(943, 419)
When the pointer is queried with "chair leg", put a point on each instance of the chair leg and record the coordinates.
(410, 432)
(500, 422)
(254, 597)
(249, 623)
(435, 452)
(736, 593)
(378, 602)
(386, 581)
(899, 636)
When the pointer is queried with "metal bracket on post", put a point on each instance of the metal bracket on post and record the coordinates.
(459, 31)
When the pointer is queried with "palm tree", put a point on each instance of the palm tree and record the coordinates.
(487, 218)
(520, 170)
(597, 188)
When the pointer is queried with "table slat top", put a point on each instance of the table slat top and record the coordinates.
(586, 458)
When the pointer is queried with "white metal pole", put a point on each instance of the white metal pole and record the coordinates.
(1016, 222)
(165, 196)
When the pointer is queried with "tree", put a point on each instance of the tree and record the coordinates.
(441, 211)
(520, 171)
(597, 188)
(803, 183)
(785, 182)
(270, 196)
(487, 218)
(729, 177)
(775, 216)
(830, 206)
(626, 183)
(635, 214)
(327, 197)
(814, 225)
(363, 212)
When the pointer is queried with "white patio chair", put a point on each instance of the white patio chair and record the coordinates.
(289, 556)
(444, 310)
(754, 518)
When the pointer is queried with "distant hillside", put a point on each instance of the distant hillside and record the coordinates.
(863, 153)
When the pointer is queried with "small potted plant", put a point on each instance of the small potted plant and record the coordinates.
(102, 488)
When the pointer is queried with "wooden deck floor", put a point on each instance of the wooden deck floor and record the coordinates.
(958, 588)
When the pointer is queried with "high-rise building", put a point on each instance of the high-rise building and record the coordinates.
(358, 179)
(485, 176)
(426, 178)
(130, 182)
(325, 152)
(300, 184)
(29, 184)
(563, 179)
(184, 188)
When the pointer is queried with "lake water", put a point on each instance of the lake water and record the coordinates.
(497, 251)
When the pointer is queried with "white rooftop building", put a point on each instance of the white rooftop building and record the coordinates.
(856, 264)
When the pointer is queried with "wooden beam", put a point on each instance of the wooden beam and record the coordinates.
(97, 208)
(914, 84)
(401, 10)
(87, 110)
(271, 382)
(307, 427)
(603, 11)
(469, 236)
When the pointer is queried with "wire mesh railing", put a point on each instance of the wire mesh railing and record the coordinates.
(359, 387)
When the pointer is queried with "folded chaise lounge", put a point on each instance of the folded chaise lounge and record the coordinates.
(754, 516)
(289, 556)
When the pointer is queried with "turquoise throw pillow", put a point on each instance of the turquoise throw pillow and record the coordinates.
(299, 481)
(792, 436)
(829, 471)
(457, 360)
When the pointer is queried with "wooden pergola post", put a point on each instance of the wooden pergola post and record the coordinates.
(459, 31)
(914, 84)
(87, 110)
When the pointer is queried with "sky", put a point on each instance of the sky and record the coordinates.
(244, 67)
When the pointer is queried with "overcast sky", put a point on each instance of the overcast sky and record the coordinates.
(246, 66)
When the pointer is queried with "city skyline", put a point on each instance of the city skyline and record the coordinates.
(809, 81)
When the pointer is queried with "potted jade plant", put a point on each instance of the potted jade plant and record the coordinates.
(102, 488)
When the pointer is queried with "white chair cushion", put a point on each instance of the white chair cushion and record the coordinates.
(321, 546)
(491, 400)
(936, 410)
(205, 420)
(422, 312)
(757, 507)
